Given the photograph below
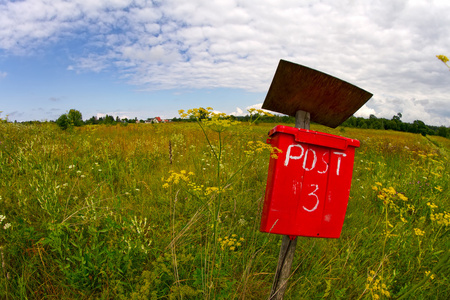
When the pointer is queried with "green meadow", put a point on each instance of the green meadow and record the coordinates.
(172, 211)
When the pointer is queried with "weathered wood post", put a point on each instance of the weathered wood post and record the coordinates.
(288, 244)
(308, 95)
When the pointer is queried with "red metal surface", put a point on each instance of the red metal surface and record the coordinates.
(309, 184)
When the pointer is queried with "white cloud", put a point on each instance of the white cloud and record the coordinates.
(256, 106)
(241, 112)
(365, 112)
(238, 112)
(386, 47)
(3, 74)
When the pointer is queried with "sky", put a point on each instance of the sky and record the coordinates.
(152, 58)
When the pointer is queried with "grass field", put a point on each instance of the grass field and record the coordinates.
(172, 211)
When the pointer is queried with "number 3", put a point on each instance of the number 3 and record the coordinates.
(317, 198)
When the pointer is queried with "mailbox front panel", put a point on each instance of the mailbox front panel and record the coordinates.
(308, 185)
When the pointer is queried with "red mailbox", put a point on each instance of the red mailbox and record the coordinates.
(308, 185)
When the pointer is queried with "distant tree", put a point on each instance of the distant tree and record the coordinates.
(443, 131)
(397, 117)
(93, 120)
(72, 118)
(390, 124)
(396, 123)
(377, 124)
(107, 120)
(351, 122)
(420, 127)
(63, 122)
(361, 123)
(75, 117)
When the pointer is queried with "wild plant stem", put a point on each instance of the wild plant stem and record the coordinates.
(442, 262)
(207, 139)
(385, 238)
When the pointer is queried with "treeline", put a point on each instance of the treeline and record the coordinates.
(73, 118)
(109, 120)
(372, 122)
(396, 124)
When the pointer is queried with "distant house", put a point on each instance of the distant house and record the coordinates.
(155, 120)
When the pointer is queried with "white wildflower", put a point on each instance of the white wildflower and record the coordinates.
(242, 222)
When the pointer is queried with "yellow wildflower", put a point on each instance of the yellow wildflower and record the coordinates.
(418, 232)
(427, 273)
(432, 205)
(391, 190)
(375, 286)
(411, 208)
(402, 197)
(258, 147)
(211, 190)
(229, 243)
(441, 218)
(442, 58)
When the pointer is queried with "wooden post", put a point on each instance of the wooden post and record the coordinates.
(287, 250)
(302, 119)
